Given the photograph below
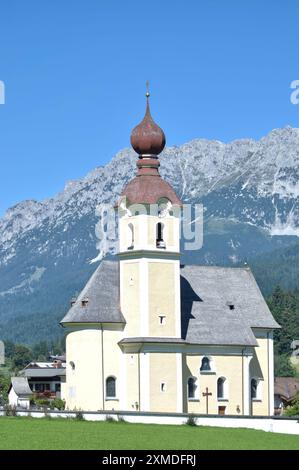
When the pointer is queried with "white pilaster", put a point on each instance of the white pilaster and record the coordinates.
(178, 330)
(179, 380)
(144, 297)
(144, 381)
(246, 384)
(122, 391)
(271, 372)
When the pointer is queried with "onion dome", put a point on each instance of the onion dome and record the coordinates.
(148, 140)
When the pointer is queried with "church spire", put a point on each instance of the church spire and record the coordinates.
(148, 140)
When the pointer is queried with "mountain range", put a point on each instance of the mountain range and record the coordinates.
(250, 193)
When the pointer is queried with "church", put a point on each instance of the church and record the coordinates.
(149, 334)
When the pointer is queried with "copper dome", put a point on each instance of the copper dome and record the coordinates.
(148, 138)
(149, 189)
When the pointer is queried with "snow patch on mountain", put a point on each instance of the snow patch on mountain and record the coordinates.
(289, 227)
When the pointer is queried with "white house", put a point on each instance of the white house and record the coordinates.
(19, 393)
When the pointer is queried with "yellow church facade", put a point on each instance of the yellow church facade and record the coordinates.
(147, 334)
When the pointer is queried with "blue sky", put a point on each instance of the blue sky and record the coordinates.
(75, 72)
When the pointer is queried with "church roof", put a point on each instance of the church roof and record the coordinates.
(99, 300)
(148, 189)
(222, 304)
(219, 305)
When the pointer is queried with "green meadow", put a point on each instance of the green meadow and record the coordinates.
(60, 434)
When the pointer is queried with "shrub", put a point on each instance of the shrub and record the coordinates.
(10, 410)
(79, 415)
(191, 421)
(121, 419)
(43, 402)
(109, 419)
(294, 409)
(58, 404)
(4, 386)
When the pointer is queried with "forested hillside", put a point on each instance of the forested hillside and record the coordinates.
(285, 307)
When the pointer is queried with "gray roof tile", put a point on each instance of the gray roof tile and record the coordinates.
(102, 292)
(207, 293)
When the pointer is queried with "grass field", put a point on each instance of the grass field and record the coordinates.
(45, 433)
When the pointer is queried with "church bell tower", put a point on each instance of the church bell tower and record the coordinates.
(149, 242)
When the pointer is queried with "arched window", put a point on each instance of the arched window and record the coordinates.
(192, 387)
(205, 364)
(130, 237)
(160, 243)
(221, 387)
(253, 388)
(110, 387)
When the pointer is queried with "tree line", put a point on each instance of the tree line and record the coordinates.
(284, 306)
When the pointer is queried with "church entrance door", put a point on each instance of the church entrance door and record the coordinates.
(221, 410)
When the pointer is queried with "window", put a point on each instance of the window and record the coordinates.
(130, 237)
(205, 364)
(110, 387)
(192, 388)
(72, 364)
(164, 206)
(230, 305)
(253, 388)
(160, 243)
(221, 388)
(162, 319)
(163, 387)
(84, 302)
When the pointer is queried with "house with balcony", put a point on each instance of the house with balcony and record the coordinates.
(45, 377)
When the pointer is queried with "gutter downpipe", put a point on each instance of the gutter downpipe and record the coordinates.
(243, 381)
(103, 383)
(139, 387)
(268, 366)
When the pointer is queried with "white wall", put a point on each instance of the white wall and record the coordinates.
(284, 426)
(14, 400)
